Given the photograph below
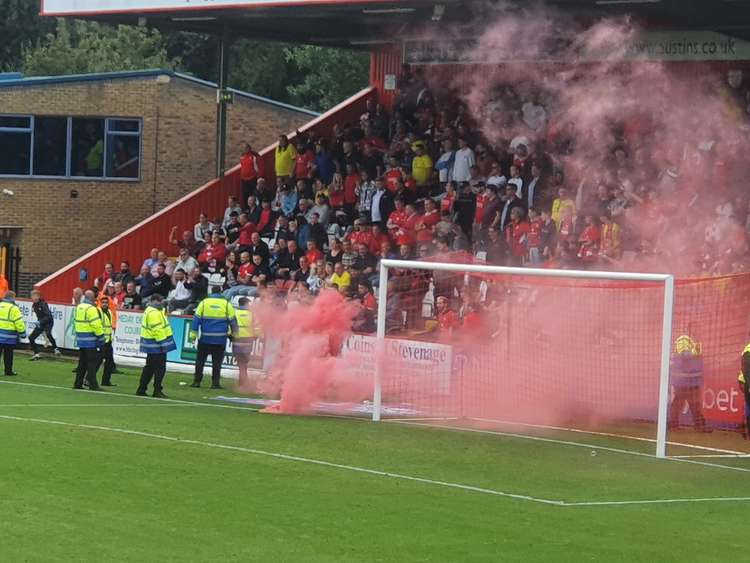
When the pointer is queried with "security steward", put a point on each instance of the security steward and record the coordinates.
(156, 342)
(12, 328)
(215, 318)
(107, 354)
(89, 339)
(744, 381)
(686, 376)
(243, 339)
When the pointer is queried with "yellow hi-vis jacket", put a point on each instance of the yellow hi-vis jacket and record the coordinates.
(156, 334)
(12, 326)
(107, 324)
(741, 377)
(88, 326)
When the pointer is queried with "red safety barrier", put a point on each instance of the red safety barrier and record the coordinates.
(135, 244)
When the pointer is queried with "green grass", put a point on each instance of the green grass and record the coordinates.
(84, 494)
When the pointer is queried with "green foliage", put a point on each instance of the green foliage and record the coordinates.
(80, 47)
(329, 76)
(314, 77)
(20, 27)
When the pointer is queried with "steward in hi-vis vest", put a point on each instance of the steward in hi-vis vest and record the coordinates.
(12, 328)
(214, 318)
(89, 339)
(156, 342)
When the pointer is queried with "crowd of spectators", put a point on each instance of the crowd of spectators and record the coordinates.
(425, 182)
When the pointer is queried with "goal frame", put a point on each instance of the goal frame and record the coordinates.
(667, 280)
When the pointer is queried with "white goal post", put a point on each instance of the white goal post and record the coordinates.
(666, 335)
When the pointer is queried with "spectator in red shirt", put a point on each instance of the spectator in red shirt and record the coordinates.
(303, 162)
(350, 190)
(313, 254)
(267, 218)
(214, 250)
(447, 320)
(244, 241)
(588, 248)
(393, 175)
(516, 234)
(361, 233)
(336, 192)
(249, 171)
(534, 241)
(187, 241)
(426, 222)
(377, 240)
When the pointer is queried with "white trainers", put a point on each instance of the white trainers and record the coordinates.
(35, 357)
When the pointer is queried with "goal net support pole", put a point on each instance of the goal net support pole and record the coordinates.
(666, 336)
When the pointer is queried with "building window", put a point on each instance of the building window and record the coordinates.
(15, 145)
(70, 147)
(50, 146)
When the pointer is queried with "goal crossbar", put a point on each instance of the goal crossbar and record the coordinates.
(667, 280)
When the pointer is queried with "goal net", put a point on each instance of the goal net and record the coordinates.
(561, 350)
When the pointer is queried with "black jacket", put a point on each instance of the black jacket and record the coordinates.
(43, 313)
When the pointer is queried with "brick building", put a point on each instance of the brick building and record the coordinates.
(82, 158)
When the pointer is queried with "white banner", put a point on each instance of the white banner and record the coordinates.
(82, 7)
(413, 359)
(127, 338)
(59, 314)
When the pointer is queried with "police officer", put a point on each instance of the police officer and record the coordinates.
(686, 375)
(214, 316)
(156, 341)
(89, 338)
(242, 342)
(12, 328)
(107, 355)
(744, 381)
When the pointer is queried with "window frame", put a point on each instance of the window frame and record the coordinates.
(107, 131)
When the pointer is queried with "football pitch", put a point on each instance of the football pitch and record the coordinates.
(88, 476)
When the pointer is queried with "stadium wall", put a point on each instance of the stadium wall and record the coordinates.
(135, 243)
(178, 115)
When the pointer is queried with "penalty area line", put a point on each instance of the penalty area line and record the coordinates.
(574, 444)
(288, 457)
(134, 397)
(366, 471)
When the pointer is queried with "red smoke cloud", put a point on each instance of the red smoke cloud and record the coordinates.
(308, 338)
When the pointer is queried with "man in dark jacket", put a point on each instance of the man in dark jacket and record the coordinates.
(45, 321)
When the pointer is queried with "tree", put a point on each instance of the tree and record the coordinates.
(328, 76)
(20, 27)
(80, 47)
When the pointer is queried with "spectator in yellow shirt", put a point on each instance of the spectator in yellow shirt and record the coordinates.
(286, 155)
(421, 166)
(560, 203)
(341, 279)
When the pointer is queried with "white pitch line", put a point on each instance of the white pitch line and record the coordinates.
(51, 405)
(133, 396)
(732, 456)
(606, 434)
(289, 458)
(575, 444)
(657, 501)
(376, 472)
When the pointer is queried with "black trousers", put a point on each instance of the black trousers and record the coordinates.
(216, 351)
(6, 351)
(694, 398)
(746, 389)
(88, 362)
(249, 187)
(156, 368)
(36, 333)
(107, 358)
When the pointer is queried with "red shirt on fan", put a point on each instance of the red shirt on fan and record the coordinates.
(482, 200)
(361, 237)
(391, 179)
(265, 219)
(516, 234)
(247, 166)
(336, 198)
(211, 251)
(313, 255)
(377, 242)
(446, 204)
(246, 270)
(589, 243)
(447, 320)
(350, 188)
(302, 164)
(424, 225)
(534, 236)
(245, 233)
